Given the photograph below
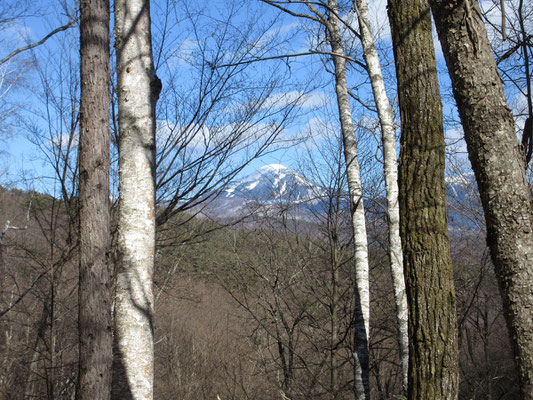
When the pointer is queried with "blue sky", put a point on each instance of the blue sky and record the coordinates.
(194, 27)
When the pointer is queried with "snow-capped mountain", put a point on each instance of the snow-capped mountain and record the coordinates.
(274, 183)
(460, 185)
(266, 191)
(276, 187)
(462, 198)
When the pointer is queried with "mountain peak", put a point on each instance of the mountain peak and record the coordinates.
(273, 183)
(274, 167)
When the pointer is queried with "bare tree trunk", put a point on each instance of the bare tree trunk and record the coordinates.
(499, 166)
(386, 121)
(37, 350)
(362, 298)
(433, 369)
(138, 90)
(334, 337)
(95, 285)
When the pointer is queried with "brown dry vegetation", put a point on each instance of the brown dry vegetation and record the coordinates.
(240, 313)
(39, 275)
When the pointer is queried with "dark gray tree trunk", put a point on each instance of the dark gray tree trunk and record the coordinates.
(433, 369)
(95, 285)
(499, 166)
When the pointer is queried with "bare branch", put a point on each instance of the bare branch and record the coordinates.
(43, 273)
(71, 23)
(19, 228)
(286, 10)
(328, 53)
(319, 16)
(24, 293)
(504, 28)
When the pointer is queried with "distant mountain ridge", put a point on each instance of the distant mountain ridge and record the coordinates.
(275, 186)
(274, 183)
(265, 192)
(463, 203)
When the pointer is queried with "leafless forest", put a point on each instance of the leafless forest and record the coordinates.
(141, 257)
(242, 312)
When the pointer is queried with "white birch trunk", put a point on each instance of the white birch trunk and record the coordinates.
(133, 375)
(362, 306)
(386, 121)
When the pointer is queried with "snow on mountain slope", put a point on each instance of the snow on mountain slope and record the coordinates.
(275, 187)
(274, 183)
(463, 203)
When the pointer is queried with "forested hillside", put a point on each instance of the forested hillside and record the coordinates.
(245, 309)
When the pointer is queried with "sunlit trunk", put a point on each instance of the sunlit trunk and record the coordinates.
(388, 138)
(95, 273)
(138, 89)
(362, 298)
(433, 367)
(499, 166)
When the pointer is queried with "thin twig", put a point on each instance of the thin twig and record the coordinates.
(71, 23)
(328, 53)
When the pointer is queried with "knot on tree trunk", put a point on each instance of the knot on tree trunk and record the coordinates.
(155, 87)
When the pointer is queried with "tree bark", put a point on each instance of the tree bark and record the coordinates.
(499, 167)
(390, 168)
(362, 298)
(95, 277)
(334, 322)
(138, 90)
(433, 369)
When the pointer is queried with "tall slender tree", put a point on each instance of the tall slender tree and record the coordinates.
(328, 16)
(388, 139)
(433, 369)
(362, 292)
(138, 90)
(499, 165)
(95, 284)
(385, 115)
